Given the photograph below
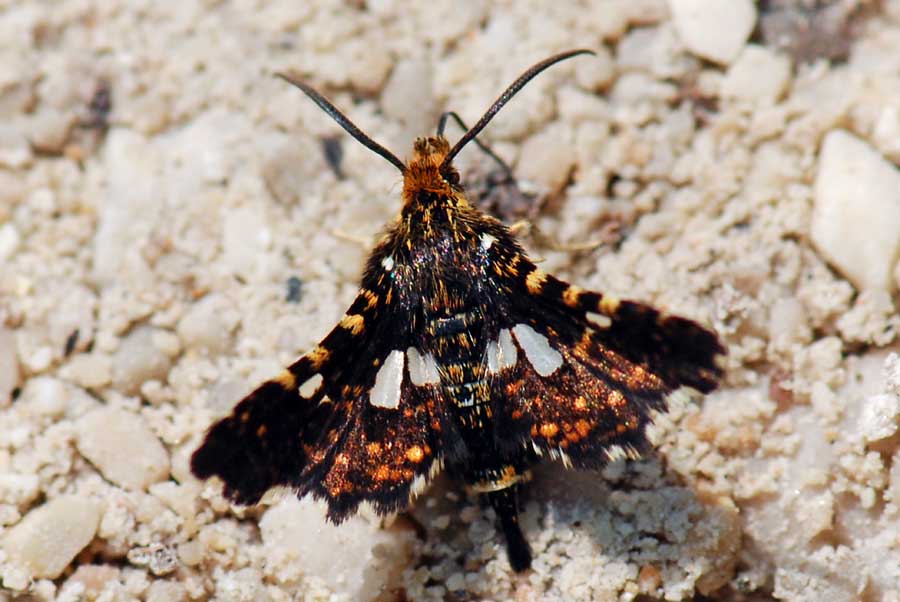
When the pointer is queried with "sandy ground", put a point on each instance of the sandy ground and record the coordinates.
(171, 234)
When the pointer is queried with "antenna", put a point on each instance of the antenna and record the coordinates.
(504, 98)
(343, 121)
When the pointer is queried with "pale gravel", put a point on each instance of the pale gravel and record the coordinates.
(168, 243)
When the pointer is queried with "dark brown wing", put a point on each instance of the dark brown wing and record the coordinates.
(616, 362)
(313, 428)
(383, 456)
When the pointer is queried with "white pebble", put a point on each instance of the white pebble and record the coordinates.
(407, 96)
(122, 447)
(50, 536)
(9, 241)
(296, 535)
(39, 359)
(9, 366)
(576, 105)
(139, 359)
(879, 417)
(892, 374)
(207, 325)
(50, 130)
(856, 215)
(166, 342)
(166, 591)
(18, 489)
(757, 74)
(44, 396)
(131, 206)
(245, 238)
(886, 134)
(15, 151)
(788, 322)
(88, 370)
(547, 158)
(716, 30)
(596, 73)
(76, 313)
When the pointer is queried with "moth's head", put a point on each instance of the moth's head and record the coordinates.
(428, 170)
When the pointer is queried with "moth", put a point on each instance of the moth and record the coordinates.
(458, 353)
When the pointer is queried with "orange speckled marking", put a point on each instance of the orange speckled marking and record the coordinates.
(583, 427)
(415, 454)
(549, 430)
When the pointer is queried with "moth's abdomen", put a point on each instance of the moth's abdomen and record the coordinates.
(459, 356)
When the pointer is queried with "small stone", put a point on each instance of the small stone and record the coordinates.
(208, 324)
(166, 591)
(410, 85)
(368, 65)
(191, 552)
(294, 531)
(131, 205)
(160, 559)
(547, 157)
(89, 370)
(892, 374)
(50, 130)
(15, 151)
(856, 216)
(715, 31)
(597, 73)
(18, 488)
(758, 74)
(166, 342)
(50, 536)
(74, 320)
(44, 396)
(122, 447)
(576, 105)
(91, 579)
(9, 241)
(886, 134)
(879, 417)
(9, 366)
(245, 238)
(39, 359)
(139, 359)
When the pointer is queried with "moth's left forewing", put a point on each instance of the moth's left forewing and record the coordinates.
(392, 441)
(344, 422)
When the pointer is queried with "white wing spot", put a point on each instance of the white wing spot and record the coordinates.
(542, 356)
(599, 320)
(423, 370)
(508, 354)
(501, 354)
(312, 384)
(487, 240)
(385, 393)
(388, 263)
